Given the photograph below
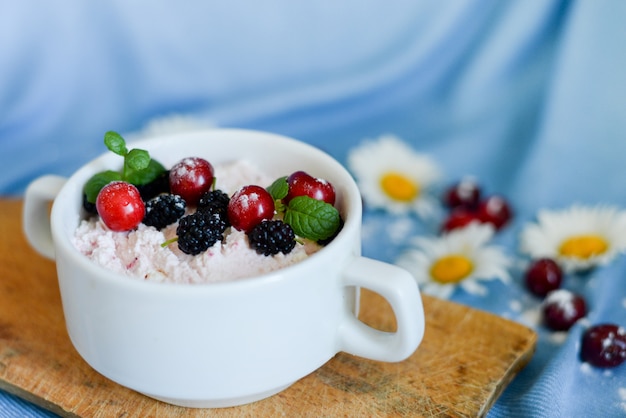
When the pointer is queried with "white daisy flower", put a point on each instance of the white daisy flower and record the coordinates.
(392, 176)
(578, 238)
(457, 258)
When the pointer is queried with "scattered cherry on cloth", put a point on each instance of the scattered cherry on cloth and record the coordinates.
(466, 203)
(495, 210)
(543, 276)
(465, 193)
(562, 308)
(604, 345)
(459, 218)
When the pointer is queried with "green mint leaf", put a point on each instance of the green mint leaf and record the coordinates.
(137, 159)
(279, 188)
(146, 175)
(311, 218)
(97, 182)
(115, 143)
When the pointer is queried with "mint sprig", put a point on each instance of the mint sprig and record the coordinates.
(140, 174)
(311, 218)
(138, 167)
(115, 143)
(279, 188)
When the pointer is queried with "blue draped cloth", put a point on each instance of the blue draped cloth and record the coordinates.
(528, 96)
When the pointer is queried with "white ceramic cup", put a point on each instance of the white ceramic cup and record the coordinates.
(230, 343)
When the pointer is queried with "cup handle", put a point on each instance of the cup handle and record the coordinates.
(35, 213)
(399, 288)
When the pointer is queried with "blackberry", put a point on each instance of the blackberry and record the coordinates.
(161, 184)
(216, 202)
(164, 210)
(271, 237)
(213, 197)
(199, 231)
(89, 207)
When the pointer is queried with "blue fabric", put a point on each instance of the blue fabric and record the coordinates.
(528, 96)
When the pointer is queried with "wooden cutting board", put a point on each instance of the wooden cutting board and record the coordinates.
(466, 359)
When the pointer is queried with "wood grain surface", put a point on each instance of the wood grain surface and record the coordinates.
(466, 359)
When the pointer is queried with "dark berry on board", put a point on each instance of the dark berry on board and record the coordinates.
(271, 237)
(199, 231)
(164, 210)
(158, 186)
(604, 345)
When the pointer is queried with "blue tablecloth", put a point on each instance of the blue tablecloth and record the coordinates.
(528, 96)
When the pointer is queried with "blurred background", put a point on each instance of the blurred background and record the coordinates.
(491, 78)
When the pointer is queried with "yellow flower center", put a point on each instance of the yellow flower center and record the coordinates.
(583, 246)
(451, 269)
(399, 187)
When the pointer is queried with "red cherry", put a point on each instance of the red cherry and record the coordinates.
(562, 308)
(190, 178)
(604, 345)
(303, 184)
(120, 206)
(495, 210)
(465, 193)
(249, 206)
(543, 276)
(458, 218)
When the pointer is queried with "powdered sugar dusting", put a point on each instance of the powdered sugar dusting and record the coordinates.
(515, 305)
(564, 299)
(621, 392)
(245, 200)
(557, 338)
(531, 317)
(586, 368)
(611, 337)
